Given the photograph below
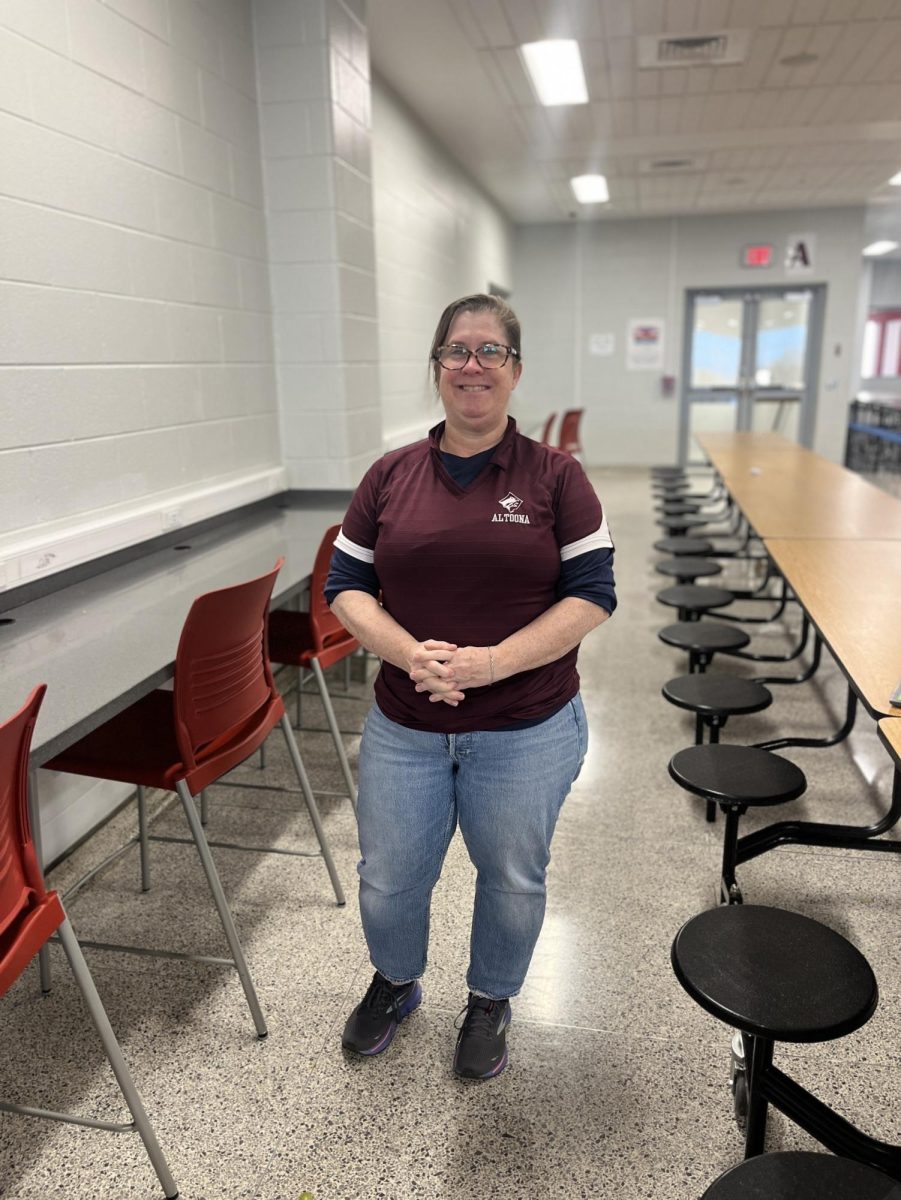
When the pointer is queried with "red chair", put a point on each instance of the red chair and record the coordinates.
(30, 915)
(546, 432)
(569, 432)
(223, 706)
(316, 641)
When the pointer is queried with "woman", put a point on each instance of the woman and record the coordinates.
(492, 558)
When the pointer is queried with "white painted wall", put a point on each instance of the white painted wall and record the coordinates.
(137, 387)
(573, 281)
(437, 237)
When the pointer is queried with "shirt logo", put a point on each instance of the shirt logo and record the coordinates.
(511, 503)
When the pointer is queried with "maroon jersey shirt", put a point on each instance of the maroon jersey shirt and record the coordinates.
(472, 566)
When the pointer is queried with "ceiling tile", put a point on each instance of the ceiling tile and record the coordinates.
(648, 16)
(485, 23)
(808, 12)
(617, 15)
(881, 44)
(524, 21)
(712, 16)
(680, 16)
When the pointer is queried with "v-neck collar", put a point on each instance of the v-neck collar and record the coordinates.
(500, 457)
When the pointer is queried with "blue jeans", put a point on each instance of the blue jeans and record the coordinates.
(506, 790)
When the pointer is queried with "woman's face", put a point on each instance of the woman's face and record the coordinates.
(475, 399)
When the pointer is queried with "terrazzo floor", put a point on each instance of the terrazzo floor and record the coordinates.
(618, 1085)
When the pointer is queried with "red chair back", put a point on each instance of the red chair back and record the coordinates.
(222, 674)
(569, 431)
(546, 432)
(28, 913)
(324, 625)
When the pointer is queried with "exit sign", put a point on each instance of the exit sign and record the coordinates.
(757, 256)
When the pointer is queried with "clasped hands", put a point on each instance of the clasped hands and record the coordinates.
(445, 671)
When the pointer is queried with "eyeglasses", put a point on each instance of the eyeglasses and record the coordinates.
(455, 357)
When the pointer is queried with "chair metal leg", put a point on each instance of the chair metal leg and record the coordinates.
(311, 807)
(335, 732)
(142, 840)
(34, 820)
(225, 916)
(117, 1062)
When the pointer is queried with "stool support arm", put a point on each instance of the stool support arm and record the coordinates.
(821, 833)
(805, 675)
(773, 616)
(834, 738)
(824, 1124)
(773, 658)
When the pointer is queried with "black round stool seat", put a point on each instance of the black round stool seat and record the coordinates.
(717, 695)
(704, 636)
(687, 567)
(774, 974)
(683, 545)
(695, 596)
(677, 509)
(683, 521)
(803, 1175)
(674, 484)
(737, 774)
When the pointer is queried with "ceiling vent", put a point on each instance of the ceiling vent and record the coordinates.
(672, 164)
(727, 48)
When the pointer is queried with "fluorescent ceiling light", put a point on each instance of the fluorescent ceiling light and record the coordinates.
(590, 189)
(895, 180)
(555, 69)
(876, 248)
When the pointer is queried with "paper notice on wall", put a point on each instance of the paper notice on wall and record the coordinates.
(644, 344)
(601, 345)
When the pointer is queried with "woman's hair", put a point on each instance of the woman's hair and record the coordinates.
(480, 302)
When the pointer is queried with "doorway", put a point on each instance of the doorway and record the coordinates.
(750, 363)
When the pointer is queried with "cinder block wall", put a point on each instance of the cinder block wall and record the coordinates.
(137, 387)
(137, 384)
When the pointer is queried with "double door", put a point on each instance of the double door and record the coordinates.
(750, 363)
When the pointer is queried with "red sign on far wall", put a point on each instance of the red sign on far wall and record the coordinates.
(757, 256)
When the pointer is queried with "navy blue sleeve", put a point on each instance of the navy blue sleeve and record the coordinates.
(590, 577)
(347, 573)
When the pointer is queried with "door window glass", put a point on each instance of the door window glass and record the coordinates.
(716, 342)
(782, 341)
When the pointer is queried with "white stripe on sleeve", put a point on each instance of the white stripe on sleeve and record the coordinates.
(599, 540)
(351, 548)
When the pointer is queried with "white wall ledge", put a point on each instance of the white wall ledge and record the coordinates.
(33, 554)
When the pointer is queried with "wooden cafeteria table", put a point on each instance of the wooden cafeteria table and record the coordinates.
(851, 590)
(787, 491)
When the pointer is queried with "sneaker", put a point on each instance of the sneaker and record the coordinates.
(481, 1051)
(372, 1025)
